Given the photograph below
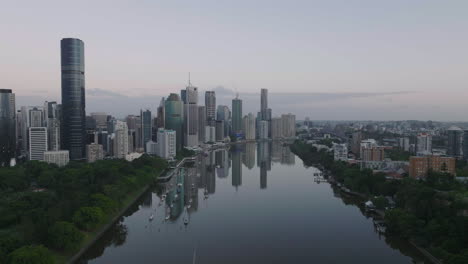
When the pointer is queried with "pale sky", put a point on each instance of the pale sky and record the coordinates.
(358, 60)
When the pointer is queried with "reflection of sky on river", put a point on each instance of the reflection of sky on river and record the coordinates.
(253, 204)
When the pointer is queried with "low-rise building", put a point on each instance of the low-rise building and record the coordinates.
(420, 166)
(340, 152)
(58, 157)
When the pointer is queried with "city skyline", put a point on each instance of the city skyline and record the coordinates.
(340, 66)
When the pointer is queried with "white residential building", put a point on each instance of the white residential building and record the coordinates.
(120, 139)
(58, 157)
(152, 147)
(166, 146)
(340, 152)
(37, 143)
(424, 144)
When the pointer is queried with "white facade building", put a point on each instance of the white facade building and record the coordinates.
(120, 139)
(37, 143)
(166, 146)
(58, 157)
(248, 124)
(424, 144)
(340, 152)
(152, 147)
(210, 134)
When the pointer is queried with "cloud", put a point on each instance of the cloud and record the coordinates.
(97, 92)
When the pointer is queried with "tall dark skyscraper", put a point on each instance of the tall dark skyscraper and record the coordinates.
(264, 103)
(237, 117)
(7, 126)
(210, 104)
(146, 127)
(174, 117)
(73, 97)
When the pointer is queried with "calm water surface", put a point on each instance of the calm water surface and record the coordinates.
(255, 203)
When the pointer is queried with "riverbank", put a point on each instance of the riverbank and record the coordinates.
(365, 184)
(92, 237)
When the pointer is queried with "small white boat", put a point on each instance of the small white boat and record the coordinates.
(186, 221)
(167, 217)
(151, 217)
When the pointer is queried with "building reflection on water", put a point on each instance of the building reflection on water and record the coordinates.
(198, 180)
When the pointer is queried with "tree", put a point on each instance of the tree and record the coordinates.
(88, 218)
(64, 236)
(104, 202)
(31, 255)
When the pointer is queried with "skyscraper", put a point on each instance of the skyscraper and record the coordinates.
(455, 141)
(190, 98)
(120, 146)
(237, 117)
(202, 120)
(264, 103)
(161, 114)
(53, 125)
(7, 126)
(37, 143)
(289, 125)
(73, 97)
(249, 127)
(210, 104)
(174, 116)
(146, 126)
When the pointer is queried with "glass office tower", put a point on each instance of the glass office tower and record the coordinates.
(174, 115)
(73, 97)
(7, 127)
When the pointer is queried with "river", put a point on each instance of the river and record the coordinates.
(255, 203)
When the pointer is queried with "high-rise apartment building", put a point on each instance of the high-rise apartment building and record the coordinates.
(237, 118)
(210, 104)
(289, 125)
(175, 117)
(276, 127)
(423, 144)
(37, 142)
(166, 145)
(120, 143)
(404, 143)
(73, 97)
(370, 151)
(7, 127)
(249, 127)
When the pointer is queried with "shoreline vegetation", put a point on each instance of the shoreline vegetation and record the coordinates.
(49, 214)
(432, 213)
